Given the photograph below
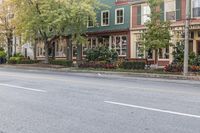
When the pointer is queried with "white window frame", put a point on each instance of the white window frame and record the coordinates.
(118, 9)
(88, 23)
(142, 13)
(165, 15)
(102, 12)
(163, 53)
(192, 10)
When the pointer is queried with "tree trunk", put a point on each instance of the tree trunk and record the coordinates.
(9, 45)
(46, 48)
(69, 50)
(35, 51)
(156, 56)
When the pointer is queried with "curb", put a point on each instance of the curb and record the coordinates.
(144, 75)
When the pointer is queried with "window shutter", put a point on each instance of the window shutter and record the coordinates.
(178, 9)
(139, 15)
(162, 9)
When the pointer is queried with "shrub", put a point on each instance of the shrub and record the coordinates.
(14, 60)
(2, 54)
(173, 68)
(132, 65)
(21, 60)
(101, 54)
(194, 68)
(62, 63)
(101, 64)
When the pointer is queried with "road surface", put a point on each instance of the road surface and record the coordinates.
(53, 102)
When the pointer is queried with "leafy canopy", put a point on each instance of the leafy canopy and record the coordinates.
(157, 34)
(52, 18)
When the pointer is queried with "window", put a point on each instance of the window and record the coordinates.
(90, 22)
(139, 50)
(105, 16)
(170, 10)
(196, 8)
(145, 14)
(119, 43)
(164, 53)
(119, 16)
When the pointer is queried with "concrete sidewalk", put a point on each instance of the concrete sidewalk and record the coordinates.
(58, 68)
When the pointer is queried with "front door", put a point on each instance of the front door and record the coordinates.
(198, 47)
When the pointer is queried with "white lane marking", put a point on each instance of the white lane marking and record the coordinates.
(20, 87)
(153, 109)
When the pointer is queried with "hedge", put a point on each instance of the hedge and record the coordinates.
(132, 65)
(21, 60)
(62, 63)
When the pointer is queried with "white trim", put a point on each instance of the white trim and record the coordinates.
(118, 9)
(165, 12)
(191, 11)
(105, 11)
(88, 24)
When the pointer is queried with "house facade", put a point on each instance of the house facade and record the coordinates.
(111, 29)
(174, 11)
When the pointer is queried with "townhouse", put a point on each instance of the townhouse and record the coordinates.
(174, 11)
(120, 26)
(111, 29)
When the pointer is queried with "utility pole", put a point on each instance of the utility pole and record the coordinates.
(186, 51)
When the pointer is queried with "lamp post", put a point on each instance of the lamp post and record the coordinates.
(185, 71)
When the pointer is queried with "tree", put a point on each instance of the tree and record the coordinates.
(157, 33)
(6, 27)
(51, 19)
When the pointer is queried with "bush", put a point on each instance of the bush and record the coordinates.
(101, 64)
(101, 54)
(194, 68)
(21, 60)
(61, 62)
(132, 65)
(173, 68)
(2, 54)
(14, 60)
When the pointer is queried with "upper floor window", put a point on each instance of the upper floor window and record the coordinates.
(90, 22)
(105, 18)
(145, 14)
(119, 16)
(170, 10)
(196, 8)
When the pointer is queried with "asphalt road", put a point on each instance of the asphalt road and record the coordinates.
(52, 102)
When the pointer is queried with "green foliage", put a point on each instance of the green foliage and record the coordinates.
(100, 65)
(132, 65)
(157, 34)
(14, 60)
(2, 54)
(101, 54)
(65, 63)
(178, 55)
(1, 49)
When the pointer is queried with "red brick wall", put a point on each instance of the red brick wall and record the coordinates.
(134, 16)
(163, 63)
(183, 9)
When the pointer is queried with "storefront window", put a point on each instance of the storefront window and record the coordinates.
(164, 53)
(150, 54)
(119, 43)
(139, 50)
